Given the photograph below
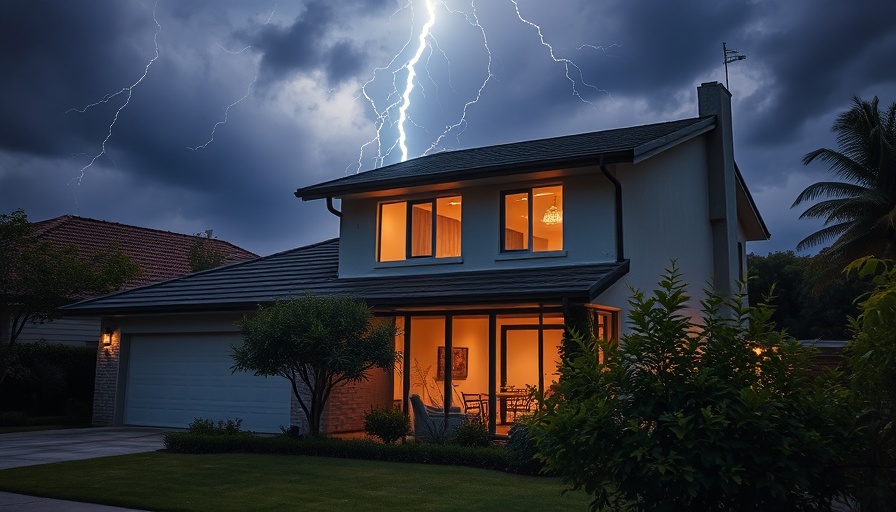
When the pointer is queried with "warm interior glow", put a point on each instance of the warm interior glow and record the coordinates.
(547, 209)
(393, 231)
(395, 228)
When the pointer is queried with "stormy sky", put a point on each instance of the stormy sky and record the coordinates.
(116, 109)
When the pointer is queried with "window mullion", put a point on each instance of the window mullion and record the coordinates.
(433, 223)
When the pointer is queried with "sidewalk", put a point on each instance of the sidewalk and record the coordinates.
(10, 502)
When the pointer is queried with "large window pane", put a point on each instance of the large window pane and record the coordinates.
(393, 231)
(516, 222)
(547, 225)
(448, 227)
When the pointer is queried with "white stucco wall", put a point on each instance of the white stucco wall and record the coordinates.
(588, 218)
(666, 216)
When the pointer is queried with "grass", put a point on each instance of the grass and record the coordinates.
(238, 482)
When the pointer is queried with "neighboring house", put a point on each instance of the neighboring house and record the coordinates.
(479, 255)
(162, 255)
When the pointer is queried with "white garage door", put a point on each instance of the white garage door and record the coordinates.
(172, 379)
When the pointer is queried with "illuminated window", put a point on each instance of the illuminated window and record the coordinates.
(419, 229)
(533, 220)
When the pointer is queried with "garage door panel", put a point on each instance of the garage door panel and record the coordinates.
(173, 379)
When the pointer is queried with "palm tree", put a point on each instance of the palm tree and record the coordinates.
(860, 210)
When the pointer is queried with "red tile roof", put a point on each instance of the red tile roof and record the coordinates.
(162, 254)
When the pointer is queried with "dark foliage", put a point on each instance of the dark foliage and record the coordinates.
(387, 423)
(800, 307)
(495, 458)
(50, 380)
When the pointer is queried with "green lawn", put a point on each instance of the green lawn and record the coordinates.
(163, 481)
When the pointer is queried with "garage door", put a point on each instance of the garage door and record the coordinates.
(173, 379)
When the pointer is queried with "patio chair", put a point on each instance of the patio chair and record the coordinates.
(475, 406)
(429, 421)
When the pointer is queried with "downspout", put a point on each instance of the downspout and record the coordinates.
(333, 209)
(620, 252)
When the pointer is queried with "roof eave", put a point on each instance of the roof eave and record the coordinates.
(324, 190)
(659, 145)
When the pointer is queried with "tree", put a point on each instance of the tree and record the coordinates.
(202, 255)
(799, 308)
(317, 343)
(872, 362)
(860, 212)
(36, 278)
(721, 415)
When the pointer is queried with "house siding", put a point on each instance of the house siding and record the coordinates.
(66, 331)
(666, 217)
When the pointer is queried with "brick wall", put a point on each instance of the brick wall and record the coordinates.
(106, 381)
(349, 403)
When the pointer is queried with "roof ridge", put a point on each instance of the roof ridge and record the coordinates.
(66, 219)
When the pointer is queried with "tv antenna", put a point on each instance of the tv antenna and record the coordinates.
(730, 56)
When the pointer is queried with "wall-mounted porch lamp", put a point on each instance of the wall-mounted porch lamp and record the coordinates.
(107, 337)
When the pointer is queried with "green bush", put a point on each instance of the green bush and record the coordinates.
(472, 432)
(387, 423)
(13, 419)
(872, 362)
(718, 415)
(495, 458)
(221, 428)
(50, 380)
(523, 453)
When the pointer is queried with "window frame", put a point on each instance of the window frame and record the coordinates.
(409, 226)
(530, 196)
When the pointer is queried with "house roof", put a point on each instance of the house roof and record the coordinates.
(314, 268)
(619, 145)
(162, 254)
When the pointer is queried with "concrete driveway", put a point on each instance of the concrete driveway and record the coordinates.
(45, 446)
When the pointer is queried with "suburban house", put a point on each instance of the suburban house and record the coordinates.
(479, 256)
(162, 255)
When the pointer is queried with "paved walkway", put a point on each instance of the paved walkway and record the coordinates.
(46, 446)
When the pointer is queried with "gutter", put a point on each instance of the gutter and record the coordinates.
(332, 209)
(620, 252)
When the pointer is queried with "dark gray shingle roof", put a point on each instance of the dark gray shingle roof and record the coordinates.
(313, 268)
(622, 144)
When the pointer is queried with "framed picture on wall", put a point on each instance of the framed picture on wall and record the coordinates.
(458, 363)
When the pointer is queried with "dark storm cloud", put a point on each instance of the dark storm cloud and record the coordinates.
(821, 55)
(806, 58)
(305, 46)
(54, 55)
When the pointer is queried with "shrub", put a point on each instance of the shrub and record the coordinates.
(720, 415)
(387, 423)
(50, 380)
(13, 419)
(495, 458)
(872, 361)
(522, 451)
(472, 432)
(221, 428)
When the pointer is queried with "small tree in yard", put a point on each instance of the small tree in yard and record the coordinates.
(316, 343)
(37, 278)
(720, 415)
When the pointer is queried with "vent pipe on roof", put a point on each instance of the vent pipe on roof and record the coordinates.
(620, 252)
(332, 209)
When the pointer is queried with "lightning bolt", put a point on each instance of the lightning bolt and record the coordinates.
(397, 103)
(567, 64)
(128, 91)
(412, 73)
(243, 97)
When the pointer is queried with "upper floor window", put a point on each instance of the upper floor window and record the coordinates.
(419, 229)
(532, 219)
